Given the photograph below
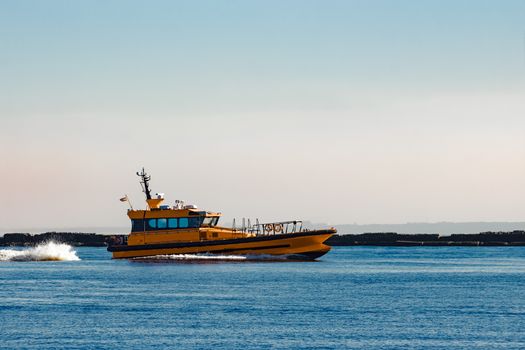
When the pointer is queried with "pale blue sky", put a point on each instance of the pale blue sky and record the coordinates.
(333, 111)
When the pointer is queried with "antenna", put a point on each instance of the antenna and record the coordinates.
(144, 183)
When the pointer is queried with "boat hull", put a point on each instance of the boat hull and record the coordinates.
(304, 246)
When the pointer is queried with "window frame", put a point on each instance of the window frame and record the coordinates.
(207, 221)
(150, 226)
(195, 222)
(171, 220)
(184, 223)
(164, 222)
(138, 225)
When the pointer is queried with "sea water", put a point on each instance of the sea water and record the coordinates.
(352, 298)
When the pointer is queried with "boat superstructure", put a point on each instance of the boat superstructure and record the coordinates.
(184, 229)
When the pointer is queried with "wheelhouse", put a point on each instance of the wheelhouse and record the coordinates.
(171, 219)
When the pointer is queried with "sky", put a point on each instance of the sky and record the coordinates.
(366, 112)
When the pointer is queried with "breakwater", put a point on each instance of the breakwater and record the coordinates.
(77, 239)
(514, 238)
(490, 239)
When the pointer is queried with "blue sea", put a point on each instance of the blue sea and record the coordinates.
(352, 298)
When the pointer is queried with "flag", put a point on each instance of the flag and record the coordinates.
(124, 199)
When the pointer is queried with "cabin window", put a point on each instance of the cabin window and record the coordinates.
(183, 222)
(207, 221)
(173, 223)
(137, 225)
(194, 222)
(214, 221)
(162, 223)
(152, 223)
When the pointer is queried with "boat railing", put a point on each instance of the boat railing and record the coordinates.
(270, 228)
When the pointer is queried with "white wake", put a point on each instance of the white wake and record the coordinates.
(193, 257)
(213, 257)
(49, 251)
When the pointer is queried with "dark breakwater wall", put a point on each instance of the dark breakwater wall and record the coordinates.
(72, 238)
(514, 238)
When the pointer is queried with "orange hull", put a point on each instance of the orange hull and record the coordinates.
(308, 245)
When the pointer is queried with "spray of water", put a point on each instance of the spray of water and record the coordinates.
(49, 251)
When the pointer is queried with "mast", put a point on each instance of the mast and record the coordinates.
(144, 183)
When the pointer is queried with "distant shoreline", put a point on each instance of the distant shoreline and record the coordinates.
(488, 239)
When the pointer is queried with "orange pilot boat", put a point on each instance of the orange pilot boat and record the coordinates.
(184, 229)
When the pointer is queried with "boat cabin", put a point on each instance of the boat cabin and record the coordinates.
(171, 219)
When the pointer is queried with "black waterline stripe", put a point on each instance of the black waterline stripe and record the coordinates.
(254, 248)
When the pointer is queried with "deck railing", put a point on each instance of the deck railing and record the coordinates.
(270, 228)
